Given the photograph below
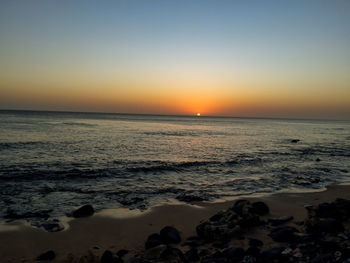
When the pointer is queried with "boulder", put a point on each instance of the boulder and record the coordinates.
(329, 225)
(192, 255)
(170, 235)
(283, 234)
(109, 257)
(48, 255)
(234, 253)
(153, 241)
(260, 208)
(84, 211)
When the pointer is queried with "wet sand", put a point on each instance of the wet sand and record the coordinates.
(21, 243)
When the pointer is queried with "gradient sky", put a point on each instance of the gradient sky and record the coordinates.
(237, 58)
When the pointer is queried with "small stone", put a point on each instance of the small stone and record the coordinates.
(84, 211)
(48, 255)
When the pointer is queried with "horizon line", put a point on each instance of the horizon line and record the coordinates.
(175, 115)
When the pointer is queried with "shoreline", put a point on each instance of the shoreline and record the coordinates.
(102, 231)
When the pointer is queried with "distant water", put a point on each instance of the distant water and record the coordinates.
(57, 161)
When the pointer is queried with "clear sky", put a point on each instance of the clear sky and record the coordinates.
(237, 58)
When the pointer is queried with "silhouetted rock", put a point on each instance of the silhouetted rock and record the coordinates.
(329, 225)
(84, 211)
(253, 242)
(48, 255)
(192, 255)
(274, 255)
(13, 215)
(253, 251)
(295, 141)
(122, 252)
(155, 252)
(283, 234)
(173, 255)
(52, 226)
(280, 220)
(188, 198)
(260, 208)
(107, 257)
(234, 253)
(170, 235)
(153, 241)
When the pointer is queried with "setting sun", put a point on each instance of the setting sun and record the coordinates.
(198, 114)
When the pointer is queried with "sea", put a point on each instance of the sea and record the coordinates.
(58, 161)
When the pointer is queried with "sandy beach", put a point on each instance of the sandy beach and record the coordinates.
(91, 236)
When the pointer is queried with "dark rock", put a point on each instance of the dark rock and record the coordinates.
(323, 258)
(153, 241)
(274, 255)
(188, 198)
(84, 211)
(283, 234)
(108, 257)
(122, 252)
(280, 220)
(137, 260)
(204, 252)
(216, 217)
(329, 225)
(295, 141)
(318, 160)
(173, 255)
(253, 251)
(260, 208)
(221, 243)
(51, 226)
(48, 255)
(192, 255)
(170, 235)
(253, 242)
(210, 231)
(249, 259)
(234, 253)
(155, 252)
(249, 220)
(12, 215)
(239, 205)
(193, 242)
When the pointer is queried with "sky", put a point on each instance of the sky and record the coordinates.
(231, 58)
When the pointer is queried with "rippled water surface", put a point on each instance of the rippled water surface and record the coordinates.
(56, 161)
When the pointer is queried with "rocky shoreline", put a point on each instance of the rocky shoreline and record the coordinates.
(304, 227)
(324, 236)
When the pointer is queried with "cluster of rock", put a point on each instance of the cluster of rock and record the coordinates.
(322, 237)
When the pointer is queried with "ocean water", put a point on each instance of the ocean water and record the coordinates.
(57, 161)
